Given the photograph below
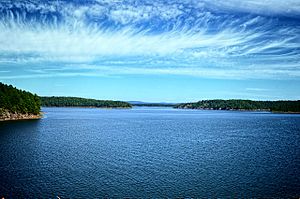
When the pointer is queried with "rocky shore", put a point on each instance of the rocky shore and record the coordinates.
(6, 115)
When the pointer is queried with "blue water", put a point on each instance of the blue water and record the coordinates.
(150, 152)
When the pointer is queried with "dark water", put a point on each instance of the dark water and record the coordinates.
(150, 152)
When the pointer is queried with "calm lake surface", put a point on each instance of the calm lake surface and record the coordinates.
(150, 152)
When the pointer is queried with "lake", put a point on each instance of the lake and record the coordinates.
(150, 152)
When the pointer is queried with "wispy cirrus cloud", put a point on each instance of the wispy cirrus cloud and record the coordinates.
(78, 70)
(232, 39)
(289, 8)
(257, 89)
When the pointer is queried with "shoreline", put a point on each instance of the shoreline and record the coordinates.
(204, 109)
(8, 116)
(281, 112)
(241, 110)
(86, 107)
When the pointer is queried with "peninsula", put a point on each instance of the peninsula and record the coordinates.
(82, 102)
(16, 104)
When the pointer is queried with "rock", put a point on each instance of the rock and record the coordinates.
(5, 115)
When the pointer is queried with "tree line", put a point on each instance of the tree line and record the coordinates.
(18, 101)
(153, 104)
(81, 102)
(274, 106)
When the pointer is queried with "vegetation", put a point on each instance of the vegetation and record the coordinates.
(82, 102)
(153, 104)
(18, 101)
(275, 106)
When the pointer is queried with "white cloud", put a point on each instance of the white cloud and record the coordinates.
(109, 71)
(264, 7)
(189, 46)
(257, 89)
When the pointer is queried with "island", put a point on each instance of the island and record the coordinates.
(16, 104)
(247, 105)
(82, 102)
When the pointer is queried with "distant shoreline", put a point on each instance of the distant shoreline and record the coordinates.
(86, 107)
(278, 112)
(244, 105)
(81, 102)
(241, 110)
(200, 109)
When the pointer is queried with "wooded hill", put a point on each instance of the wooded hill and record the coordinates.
(18, 101)
(82, 102)
(274, 106)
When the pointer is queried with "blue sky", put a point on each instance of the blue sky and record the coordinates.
(154, 51)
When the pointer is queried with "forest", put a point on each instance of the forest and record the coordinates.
(154, 104)
(274, 106)
(81, 102)
(18, 101)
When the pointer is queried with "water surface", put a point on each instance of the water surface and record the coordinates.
(150, 152)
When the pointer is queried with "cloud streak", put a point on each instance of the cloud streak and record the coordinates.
(289, 8)
(232, 39)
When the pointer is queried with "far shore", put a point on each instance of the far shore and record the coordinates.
(204, 109)
(242, 110)
(279, 112)
(86, 107)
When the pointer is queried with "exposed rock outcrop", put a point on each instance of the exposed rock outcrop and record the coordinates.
(6, 115)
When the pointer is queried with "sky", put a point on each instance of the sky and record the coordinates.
(152, 50)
